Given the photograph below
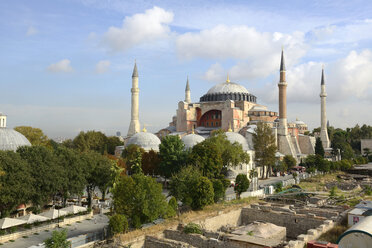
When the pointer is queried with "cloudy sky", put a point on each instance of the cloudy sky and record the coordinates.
(66, 64)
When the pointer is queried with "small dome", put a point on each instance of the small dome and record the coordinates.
(258, 108)
(192, 139)
(236, 137)
(11, 140)
(147, 141)
(299, 122)
(227, 87)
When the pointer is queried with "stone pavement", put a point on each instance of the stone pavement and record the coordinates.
(97, 223)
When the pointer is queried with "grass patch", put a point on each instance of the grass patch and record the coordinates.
(333, 234)
(25, 237)
(12, 240)
(68, 225)
(78, 221)
(46, 231)
(36, 233)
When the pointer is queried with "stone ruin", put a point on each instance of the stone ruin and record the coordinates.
(258, 225)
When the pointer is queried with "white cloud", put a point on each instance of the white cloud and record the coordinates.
(102, 66)
(347, 78)
(353, 74)
(258, 53)
(31, 31)
(139, 29)
(61, 66)
(215, 73)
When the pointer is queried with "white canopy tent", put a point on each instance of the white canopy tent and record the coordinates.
(32, 218)
(53, 213)
(73, 209)
(10, 222)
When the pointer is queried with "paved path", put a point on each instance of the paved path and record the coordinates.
(96, 224)
(270, 181)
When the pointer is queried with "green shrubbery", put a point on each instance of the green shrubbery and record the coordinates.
(193, 228)
(241, 184)
(118, 223)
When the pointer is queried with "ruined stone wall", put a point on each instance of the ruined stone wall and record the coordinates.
(232, 218)
(196, 240)
(296, 224)
(152, 242)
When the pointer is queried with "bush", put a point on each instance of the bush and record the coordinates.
(203, 194)
(332, 193)
(368, 190)
(241, 184)
(136, 221)
(219, 190)
(190, 187)
(192, 228)
(278, 187)
(172, 207)
(118, 223)
(58, 239)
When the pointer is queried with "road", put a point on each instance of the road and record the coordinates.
(87, 226)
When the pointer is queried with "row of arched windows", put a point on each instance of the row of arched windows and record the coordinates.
(228, 96)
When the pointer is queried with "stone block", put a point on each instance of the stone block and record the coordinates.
(312, 232)
(303, 237)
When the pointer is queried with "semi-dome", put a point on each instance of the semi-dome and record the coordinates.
(228, 91)
(147, 141)
(236, 137)
(10, 139)
(192, 139)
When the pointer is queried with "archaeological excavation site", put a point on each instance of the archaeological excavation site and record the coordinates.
(259, 225)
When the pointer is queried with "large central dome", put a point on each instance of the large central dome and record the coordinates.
(227, 87)
(228, 91)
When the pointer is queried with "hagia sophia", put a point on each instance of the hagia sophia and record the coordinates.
(228, 106)
(231, 107)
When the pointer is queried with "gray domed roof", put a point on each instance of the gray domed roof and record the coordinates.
(192, 139)
(227, 87)
(236, 137)
(11, 139)
(147, 141)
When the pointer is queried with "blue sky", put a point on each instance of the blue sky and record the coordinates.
(66, 65)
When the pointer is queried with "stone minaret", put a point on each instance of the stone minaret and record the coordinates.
(282, 130)
(134, 122)
(323, 114)
(187, 91)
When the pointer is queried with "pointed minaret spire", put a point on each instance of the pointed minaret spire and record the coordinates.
(187, 91)
(135, 72)
(322, 82)
(282, 63)
(134, 126)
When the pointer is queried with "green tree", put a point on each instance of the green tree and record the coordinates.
(49, 175)
(150, 162)
(58, 240)
(289, 161)
(214, 155)
(74, 172)
(118, 223)
(319, 150)
(264, 146)
(191, 188)
(111, 143)
(203, 194)
(140, 198)
(98, 171)
(241, 184)
(132, 155)
(34, 135)
(172, 155)
(90, 141)
(16, 182)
